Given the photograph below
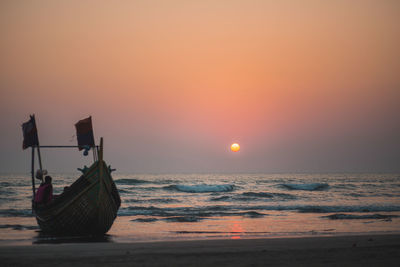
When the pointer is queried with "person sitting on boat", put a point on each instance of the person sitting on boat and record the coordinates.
(45, 192)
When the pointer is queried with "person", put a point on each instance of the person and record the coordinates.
(45, 192)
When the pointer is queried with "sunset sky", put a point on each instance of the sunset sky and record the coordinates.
(301, 85)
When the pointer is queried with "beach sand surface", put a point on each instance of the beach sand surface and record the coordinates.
(363, 250)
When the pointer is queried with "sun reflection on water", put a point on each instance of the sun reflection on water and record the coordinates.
(236, 229)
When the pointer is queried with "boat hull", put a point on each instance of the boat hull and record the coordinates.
(88, 207)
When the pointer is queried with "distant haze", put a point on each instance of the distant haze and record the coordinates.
(300, 85)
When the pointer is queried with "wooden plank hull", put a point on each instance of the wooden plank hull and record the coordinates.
(88, 207)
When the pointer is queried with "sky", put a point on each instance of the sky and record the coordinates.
(302, 86)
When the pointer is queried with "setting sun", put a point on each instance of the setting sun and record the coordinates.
(235, 147)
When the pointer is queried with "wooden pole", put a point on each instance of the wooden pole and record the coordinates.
(33, 172)
(101, 149)
(38, 150)
(40, 161)
(94, 142)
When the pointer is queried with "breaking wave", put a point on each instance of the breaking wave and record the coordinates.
(306, 187)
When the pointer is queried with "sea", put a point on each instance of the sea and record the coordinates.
(165, 207)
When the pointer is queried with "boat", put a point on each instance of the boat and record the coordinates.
(88, 206)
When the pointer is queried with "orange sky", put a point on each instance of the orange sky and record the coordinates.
(301, 85)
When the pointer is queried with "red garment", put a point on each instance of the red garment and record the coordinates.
(44, 194)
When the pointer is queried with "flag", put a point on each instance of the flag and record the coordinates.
(30, 133)
(84, 133)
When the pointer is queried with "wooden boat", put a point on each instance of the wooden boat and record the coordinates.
(88, 207)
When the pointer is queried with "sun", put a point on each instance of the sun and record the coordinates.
(235, 147)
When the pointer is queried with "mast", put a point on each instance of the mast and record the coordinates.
(33, 173)
(40, 162)
(95, 153)
(38, 150)
(101, 149)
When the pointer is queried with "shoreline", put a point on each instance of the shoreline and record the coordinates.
(352, 250)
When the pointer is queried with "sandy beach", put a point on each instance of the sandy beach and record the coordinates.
(366, 250)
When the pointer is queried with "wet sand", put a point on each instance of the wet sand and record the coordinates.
(366, 250)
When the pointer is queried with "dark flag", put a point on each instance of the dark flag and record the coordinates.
(30, 133)
(84, 133)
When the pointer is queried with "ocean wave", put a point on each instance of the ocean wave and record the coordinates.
(223, 198)
(14, 184)
(6, 184)
(354, 195)
(151, 188)
(370, 185)
(166, 181)
(170, 219)
(18, 227)
(255, 196)
(134, 181)
(340, 216)
(137, 210)
(4, 200)
(124, 191)
(16, 213)
(252, 214)
(268, 195)
(385, 195)
(345, 186)
(371, 194)
(153, 200)
(219, 232)
(331, 209)
(306, 187)
(328, 209)
(144, 220)
(258, 194)
(210, 211)
(242, 210)
(134, 189)
(7, 192)
(128, 181)
(202, 188)
(197, 217)
(184, 219)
